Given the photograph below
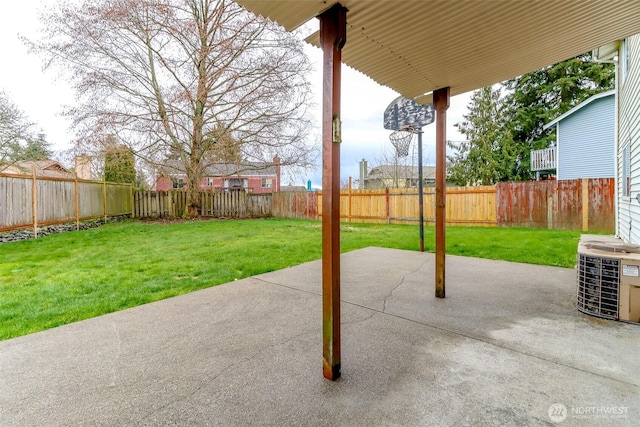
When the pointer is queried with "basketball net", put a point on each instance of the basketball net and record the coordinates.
(401, 140)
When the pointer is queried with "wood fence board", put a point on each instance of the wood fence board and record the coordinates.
(118, 199)
(474, 206)
(557, 204)
(55, 200)
(296, 205)
(218, 204)
(601, 206)
(90, 198)
(15, 202)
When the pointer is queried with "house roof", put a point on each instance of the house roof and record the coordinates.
(50, 168)
(400, 171)
(580, 106)
(415, 47)
(172, 167)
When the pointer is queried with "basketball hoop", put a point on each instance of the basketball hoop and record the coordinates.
(401, 140)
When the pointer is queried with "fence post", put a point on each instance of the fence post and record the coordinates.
(386, 194)
(104, 196)
(133, 211)
(585, 204)
(34, 201)
(77, 200)
(349, 201)
(550, 212)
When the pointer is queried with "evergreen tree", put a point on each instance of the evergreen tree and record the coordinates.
(541, 96)
(487, 154)
(119, 164)
(501, 131)
(35, 149)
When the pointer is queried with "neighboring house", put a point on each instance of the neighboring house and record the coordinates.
(628, 144)
(249, 177)
(585, 141)
(43, 168)
(398, 176)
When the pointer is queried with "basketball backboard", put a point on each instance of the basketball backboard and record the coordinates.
(404, 112)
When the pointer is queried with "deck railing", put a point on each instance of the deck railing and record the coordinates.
(544, 159)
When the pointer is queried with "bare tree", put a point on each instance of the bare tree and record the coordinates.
(393, 170)
(202, 81)
(15, 130)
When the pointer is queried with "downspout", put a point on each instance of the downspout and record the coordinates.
(616, 148)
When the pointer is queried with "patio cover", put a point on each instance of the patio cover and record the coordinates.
(415, 47)
(429, 51)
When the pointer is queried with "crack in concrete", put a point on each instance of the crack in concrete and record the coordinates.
(353, 322)
(384, 305)
(479, 338)
(209, 380)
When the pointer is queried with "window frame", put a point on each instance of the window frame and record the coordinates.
(177, 183)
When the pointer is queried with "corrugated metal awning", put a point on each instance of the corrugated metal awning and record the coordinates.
(415, 47)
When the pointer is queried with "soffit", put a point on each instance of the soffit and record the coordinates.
(415, 47)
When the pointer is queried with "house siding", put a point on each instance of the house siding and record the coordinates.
(586, 141)
(629, 134)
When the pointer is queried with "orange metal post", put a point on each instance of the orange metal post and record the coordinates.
(441, 104)
(333, 34)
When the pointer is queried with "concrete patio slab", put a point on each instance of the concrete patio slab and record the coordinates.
(506, 347)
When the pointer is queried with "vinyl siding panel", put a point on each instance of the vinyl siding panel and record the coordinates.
(586, 141)
(629, 133)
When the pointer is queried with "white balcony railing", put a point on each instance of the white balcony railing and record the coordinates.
(545, 159)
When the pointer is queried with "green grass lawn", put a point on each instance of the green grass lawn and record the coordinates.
(68, 277)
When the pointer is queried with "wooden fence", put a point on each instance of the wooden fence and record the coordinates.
(32, 201)
(582, 204)
(233, 204)
(465, 206)
(542, 204)
(575, 205)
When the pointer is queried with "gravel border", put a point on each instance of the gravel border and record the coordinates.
(27, 233)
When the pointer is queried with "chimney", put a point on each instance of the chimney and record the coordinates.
(83, 167)
(276, 162)
(364, 169)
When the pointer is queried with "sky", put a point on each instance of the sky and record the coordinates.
(41, 96)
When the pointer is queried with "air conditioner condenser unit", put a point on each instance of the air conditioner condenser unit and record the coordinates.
(608, 278)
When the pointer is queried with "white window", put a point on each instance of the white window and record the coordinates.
(209, 181)
(266, 182)
(178, 183)
(624, 60)
(626, 171)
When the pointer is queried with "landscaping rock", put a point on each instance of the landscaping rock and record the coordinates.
(27, 233)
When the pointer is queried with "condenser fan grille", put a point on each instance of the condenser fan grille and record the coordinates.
(598, 282)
